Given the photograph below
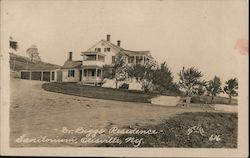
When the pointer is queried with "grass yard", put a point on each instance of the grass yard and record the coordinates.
(35, 112)
(176, 129)
(217, 100)
(121, 94)
(98, 92)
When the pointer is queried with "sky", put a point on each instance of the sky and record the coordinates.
(200, 33)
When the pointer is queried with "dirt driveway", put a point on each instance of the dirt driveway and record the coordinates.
(36, 112)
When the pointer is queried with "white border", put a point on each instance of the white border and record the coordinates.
(241, 151)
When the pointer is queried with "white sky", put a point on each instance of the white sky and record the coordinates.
(200, 33)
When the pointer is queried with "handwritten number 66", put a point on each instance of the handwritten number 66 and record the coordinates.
(214, 137)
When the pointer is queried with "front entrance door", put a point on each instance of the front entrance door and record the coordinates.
(59, 76)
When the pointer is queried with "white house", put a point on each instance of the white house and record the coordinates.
(90, 69)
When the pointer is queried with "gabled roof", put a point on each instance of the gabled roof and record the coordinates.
(69, 64)
(120, 49)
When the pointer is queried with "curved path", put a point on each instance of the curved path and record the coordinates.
(36, 112)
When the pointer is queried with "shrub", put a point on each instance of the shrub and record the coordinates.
(124, 86)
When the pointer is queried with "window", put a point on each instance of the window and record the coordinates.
(92, 72)
(139, 59)
(113, 59)
(131, 59)
(101, 58)
(98, 73)
(98, 49)
(71, 73)
(85, 73)
(53, 76)
(90, 57)
(106, 49)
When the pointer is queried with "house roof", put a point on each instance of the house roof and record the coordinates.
(72, 64)
(127, 52)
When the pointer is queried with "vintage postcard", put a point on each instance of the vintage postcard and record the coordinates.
(163, 78)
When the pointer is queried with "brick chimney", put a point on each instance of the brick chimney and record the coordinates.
(108, 38)
(70, 56)
(119, 43)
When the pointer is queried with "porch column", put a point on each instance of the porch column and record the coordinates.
(134, 59)
(55, 79)
(97, 57)
(95, 73)
(82, 74)
(50, 76)
(101, 73)
(87, 73)
(41, 75)
(30, 75)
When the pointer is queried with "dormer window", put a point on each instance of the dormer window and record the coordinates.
(98, 49)
(106, 49)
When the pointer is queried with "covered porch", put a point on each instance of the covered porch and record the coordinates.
(92, 75)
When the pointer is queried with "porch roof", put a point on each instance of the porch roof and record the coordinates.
(92, 67)
(92, 53)
(72, 64)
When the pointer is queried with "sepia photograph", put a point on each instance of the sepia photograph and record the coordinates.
(124, 78)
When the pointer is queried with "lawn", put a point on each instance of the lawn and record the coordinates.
(98, 92)
(121, 94)
(217, 100)
(175, 132)
(36, 112)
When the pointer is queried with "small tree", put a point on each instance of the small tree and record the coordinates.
(33, 54)
(189, 78)
(162, 78)
(231, 88)
(214, 87)
(117, 70)
(201, 88)
(144, 74)
(13, 44)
